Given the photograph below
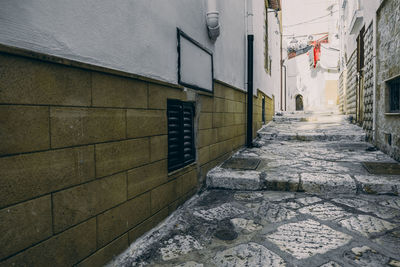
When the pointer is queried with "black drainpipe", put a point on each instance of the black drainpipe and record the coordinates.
(285, 85)
(250, 41)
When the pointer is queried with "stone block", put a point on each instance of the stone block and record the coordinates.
(147, 225)
(79, 203)
(30, 81)
(240, 96)
(146, 122)
(187, 182)
(240, 107)
(219, 105)
(229, 119)
(26, 176)
(106, 254)
(65, 249)
(216, 150)
(205, 121)
(225, 133)
(24, 225)
(218, 120)
(207, 137)
(147, 177)
(231, 106)
(77, 126)
(164, 195)
(23, 129)
(119, 220)
(114, 91)
(119, 156)
(203, 155)
(239, 118)
(206, 103)
(219, 90)
(158, 95)
(158, 147)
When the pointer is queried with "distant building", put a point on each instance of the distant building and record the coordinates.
(312, 74)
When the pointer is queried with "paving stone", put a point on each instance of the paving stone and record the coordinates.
(393, 203)
(218, 213)
(390, 241)
(275, 212)
(250, 254)
(351, 202)
(246, 225)
(325, 211)
(331, 264)
(248, 196)
(307, 238)
(379, 184)
(179, 245)
(308, 200)
(366, 225)
(291, 205)
(382, 212)
(325, 182)
(278, 196)
(394, 263)
(190, 264)
(365, 256)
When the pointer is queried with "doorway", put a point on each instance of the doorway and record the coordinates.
(299, 102)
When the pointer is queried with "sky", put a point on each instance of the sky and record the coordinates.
(306, 15)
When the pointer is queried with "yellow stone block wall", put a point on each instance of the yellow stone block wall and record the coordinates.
(83, 157)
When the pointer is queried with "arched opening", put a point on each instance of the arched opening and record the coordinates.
(299, 102)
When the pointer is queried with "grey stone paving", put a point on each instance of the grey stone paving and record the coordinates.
(325, 210)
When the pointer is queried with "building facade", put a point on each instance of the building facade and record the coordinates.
(369, 69)
(113, 113)
(311, 55)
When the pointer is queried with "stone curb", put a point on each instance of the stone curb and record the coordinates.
(229, 179)
(312, 137)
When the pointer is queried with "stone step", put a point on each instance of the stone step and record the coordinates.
(230, 179)
(309, 118)
(356, 137)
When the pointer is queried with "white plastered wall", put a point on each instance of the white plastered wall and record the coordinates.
(129, 35)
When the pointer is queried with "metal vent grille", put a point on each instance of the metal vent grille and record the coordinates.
(181, 147)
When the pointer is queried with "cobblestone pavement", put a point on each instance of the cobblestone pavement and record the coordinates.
(326, 210)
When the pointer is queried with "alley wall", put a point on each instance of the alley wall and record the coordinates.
(84, 168)
(388, 69)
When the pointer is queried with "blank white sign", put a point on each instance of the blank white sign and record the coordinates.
(195, 66)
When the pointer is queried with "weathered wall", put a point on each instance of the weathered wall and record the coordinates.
(342, 92)
(84, 164)
(369, 82)
(351, 85)
(388, 66)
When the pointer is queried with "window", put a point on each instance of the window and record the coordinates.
(394, 96)
(181, 148)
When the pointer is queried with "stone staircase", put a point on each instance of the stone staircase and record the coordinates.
(313, 153)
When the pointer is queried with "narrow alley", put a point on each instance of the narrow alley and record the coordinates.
(200, 133)
(312, 199)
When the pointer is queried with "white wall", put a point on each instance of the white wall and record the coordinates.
(130, 35)
(269, 84)
(308, 82)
